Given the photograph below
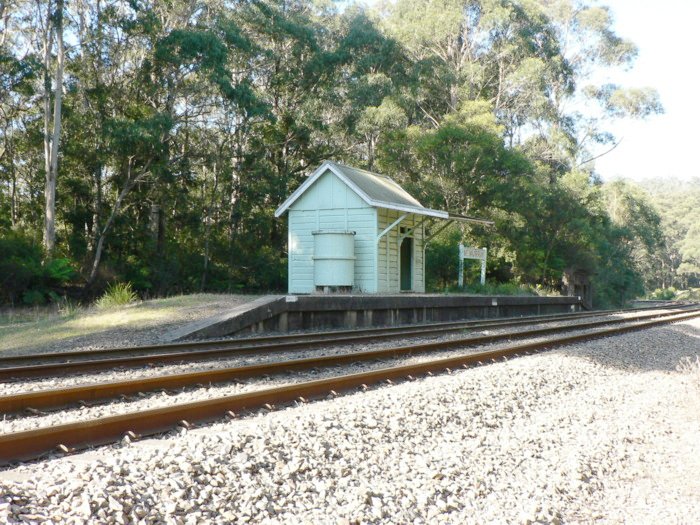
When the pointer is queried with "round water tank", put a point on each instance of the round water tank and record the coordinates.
(334, 258)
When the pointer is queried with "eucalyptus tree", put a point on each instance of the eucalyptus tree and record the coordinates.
(181, 75)
(588, 43)
(378, 79)
(39, 32)
(498, 51)
(678, 204)
(17, 76)
(22, 69)
(54, 26)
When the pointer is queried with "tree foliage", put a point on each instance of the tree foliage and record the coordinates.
(185, 124)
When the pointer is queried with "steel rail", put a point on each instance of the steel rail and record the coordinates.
(59, 397)
(32, 444)
(63, 368)
(301, 338)
(304, 338)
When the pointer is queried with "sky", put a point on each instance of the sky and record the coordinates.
(661, 146)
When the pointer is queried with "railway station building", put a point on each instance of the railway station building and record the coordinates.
(351, 230)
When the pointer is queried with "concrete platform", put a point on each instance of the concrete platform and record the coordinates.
(236, 319)
(314, 312)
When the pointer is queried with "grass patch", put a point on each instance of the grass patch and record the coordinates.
(35, 328)
(49, 330)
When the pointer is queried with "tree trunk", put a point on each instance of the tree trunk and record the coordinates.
(103, 234)
(4, 15)
(370, 151)
(46, 37)
(156, 225)
(130, 183)
(13, 197)
(96, 207)
(99, 165)
(52, 172)
(208, 220)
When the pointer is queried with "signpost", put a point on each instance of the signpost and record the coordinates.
(466, 252)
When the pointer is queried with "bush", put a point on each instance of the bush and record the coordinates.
(691, 294)
(663, 294)
(20, 266)
(33, 298)
(67, 307)
(25, 274)
(442, 261)
(496, 289)
(118, 294)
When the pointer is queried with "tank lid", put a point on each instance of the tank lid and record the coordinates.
(325, 232)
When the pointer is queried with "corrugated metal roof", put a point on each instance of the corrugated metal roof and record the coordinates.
(376, 190)
(377, 187)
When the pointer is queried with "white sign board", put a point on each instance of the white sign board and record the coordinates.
(467, 252)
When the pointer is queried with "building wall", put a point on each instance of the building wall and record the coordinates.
(388, 252)
(329, 204)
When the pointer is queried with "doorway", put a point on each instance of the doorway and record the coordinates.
(406, 264)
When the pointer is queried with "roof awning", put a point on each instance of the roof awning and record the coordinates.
(376, 190)
(463, 218)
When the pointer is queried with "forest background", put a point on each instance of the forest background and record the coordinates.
(149, 142)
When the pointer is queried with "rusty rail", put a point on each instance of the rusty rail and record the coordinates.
(59, 397)
(280, 343)
(36, 443)
(335, 335)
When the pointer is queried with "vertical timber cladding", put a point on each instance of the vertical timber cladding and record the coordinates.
(329, 204)
(339, 199)
(388, 256)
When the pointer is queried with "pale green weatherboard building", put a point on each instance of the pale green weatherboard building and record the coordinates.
(354, 230)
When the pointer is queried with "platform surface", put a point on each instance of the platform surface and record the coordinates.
(322, 311)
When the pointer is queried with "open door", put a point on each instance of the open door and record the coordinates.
(406, 255)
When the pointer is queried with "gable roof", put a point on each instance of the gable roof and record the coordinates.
(376, 190)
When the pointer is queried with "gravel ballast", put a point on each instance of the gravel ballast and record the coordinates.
(603, 431)
(156, 399)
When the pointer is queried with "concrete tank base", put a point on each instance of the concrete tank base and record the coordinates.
(317, 312)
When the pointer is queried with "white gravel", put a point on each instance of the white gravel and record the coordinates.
(23, 385)
(605, 431)
(148, 400)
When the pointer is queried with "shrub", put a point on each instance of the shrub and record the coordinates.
(26, 275)
(692, 294)
(496, 289)
(118, 294)
(33, 297)
(20, 266)
(663, 294)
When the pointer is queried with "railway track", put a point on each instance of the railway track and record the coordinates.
(66, 437)
(64, 363)
(84, 394)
